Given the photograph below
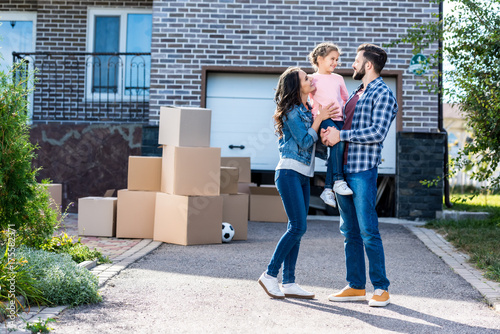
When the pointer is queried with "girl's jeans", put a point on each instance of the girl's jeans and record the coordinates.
(294, 189)
(359, 226)
(335, 162)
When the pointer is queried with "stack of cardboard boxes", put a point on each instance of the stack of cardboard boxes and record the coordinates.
(182, 197)
(189, 206)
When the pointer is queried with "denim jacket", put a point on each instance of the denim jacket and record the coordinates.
(298, 137)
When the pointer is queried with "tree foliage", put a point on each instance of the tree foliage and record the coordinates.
(471, 46)
(24, 204)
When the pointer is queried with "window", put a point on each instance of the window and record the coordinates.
(17, 33)
(113, 32)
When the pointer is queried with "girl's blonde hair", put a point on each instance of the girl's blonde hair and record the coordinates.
(322, 50)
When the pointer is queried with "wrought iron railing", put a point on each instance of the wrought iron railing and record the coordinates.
(89, 87)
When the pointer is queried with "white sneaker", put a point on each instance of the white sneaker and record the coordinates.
(380, 298)
(341, 188)
(271, 286)
(293, 290)
(328, 197)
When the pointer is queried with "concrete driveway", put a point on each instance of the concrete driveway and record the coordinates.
(214, 289)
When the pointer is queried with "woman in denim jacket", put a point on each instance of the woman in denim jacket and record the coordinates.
(298, 133)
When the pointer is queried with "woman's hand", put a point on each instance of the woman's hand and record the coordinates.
(332, 110)
(330, 136)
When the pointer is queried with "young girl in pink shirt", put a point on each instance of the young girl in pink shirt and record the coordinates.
(330, 87)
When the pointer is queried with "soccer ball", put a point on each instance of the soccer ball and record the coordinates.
(227, 232)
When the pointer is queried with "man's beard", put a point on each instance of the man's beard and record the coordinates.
(359, 75)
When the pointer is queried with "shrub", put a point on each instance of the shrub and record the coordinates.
(24, 204)
(14, 269)
(60, 279)
(79, 252)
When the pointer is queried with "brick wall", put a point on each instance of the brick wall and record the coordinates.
(277, 33)
(18, 5)
(420, 157)
(256, 33)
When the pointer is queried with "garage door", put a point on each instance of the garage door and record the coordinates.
(242, 125)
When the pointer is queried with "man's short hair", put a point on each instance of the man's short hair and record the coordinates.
(374, 54)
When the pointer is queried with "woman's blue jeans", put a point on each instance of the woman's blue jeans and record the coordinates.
(294, 189)
(359, 226)
(335, 162)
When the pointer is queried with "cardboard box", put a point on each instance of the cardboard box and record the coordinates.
(55, 192)
(188, 220)
(235, 212)
(135, 214)
(97, 216)
(229, 180)
(244, 187)
(266, 205)
(191, 171)
(144, 173)
(243, 163)
(185, 127)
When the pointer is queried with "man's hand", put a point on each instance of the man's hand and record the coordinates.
(330, 136)
(323, 133)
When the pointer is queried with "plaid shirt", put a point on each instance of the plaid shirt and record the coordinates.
(374, 112)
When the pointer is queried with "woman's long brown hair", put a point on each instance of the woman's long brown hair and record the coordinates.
(287, 96)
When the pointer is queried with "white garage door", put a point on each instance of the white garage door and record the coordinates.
(242, 125)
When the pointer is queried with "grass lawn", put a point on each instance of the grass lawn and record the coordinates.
(478, 238)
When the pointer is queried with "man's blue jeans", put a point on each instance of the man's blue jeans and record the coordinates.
(335, 163)
(294, 189)
(359, 226)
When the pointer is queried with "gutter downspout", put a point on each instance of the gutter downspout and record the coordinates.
(440, 112)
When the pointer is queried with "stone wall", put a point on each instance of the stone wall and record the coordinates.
(420, 157)
(86, 159)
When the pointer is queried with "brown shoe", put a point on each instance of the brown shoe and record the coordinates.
(380, 298)
(348, 294)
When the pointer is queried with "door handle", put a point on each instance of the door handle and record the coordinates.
(237, 146)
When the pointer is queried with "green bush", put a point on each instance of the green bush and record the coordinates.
(15, 281)
(24, 204)
(79, 252)
(60, 279)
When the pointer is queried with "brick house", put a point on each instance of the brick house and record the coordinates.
(224, 55)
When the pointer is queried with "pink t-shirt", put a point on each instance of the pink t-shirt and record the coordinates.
(329, 88)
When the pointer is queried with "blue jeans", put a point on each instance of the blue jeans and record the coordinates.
(294, 189)
(359, 226)
(335, 162)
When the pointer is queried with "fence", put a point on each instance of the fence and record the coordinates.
(88, 87)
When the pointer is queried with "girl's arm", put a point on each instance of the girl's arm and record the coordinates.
(332, 110)
(344, 94)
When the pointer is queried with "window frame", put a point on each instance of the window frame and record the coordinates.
(122, 13)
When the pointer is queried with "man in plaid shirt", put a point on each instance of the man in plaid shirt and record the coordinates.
(369, 112)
